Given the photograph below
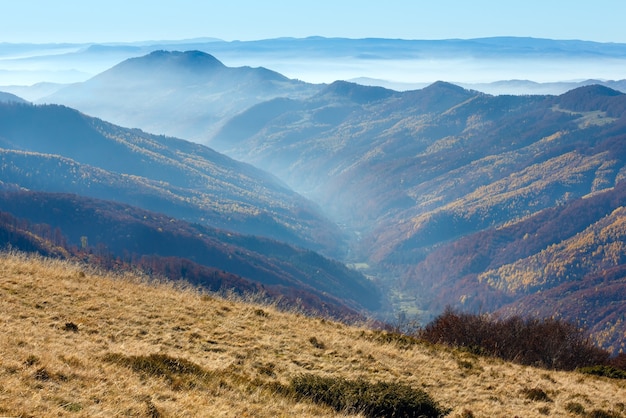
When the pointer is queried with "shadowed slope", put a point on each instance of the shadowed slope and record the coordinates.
(115, 233)
(54, 148)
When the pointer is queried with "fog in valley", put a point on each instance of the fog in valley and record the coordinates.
(320, 60)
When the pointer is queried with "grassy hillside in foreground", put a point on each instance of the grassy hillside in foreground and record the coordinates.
(113, 234)
(79, 344)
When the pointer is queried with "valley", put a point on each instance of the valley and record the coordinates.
(440, 196)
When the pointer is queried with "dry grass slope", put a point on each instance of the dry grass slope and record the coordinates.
(79, 343)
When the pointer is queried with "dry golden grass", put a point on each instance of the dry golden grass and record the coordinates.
(62, 325)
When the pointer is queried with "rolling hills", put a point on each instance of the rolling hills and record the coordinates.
(118, 236)
(68, 182)
(416, 174)
(57, 149)
(78, 342)
(10, 98)
(430, 165)
(443, 195)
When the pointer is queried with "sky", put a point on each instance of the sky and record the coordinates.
(77, 21)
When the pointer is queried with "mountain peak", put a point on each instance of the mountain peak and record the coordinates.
(445, 87)
(191, 59)
(167, 62)
(10, 98)
(590, 91)
(436, 97)
(592, 98)
(357, 92)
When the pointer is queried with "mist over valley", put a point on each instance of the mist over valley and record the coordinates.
(396, 63)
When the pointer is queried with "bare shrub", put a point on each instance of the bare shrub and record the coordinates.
(575, 408)
(381, 399)
(547, 343)
(536, 394)
(605, 371)
(178, 372)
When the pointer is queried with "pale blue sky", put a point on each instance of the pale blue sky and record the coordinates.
(42, 21)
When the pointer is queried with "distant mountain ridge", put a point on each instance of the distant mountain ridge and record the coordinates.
(184, 94)
(416, 62)
(10, 98)
(525, 87)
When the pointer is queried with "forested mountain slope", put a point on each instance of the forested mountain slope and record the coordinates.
(58, 149)
(10, 98)
(467, 199)
(115, 236)
(415, 169)
(568, 261)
